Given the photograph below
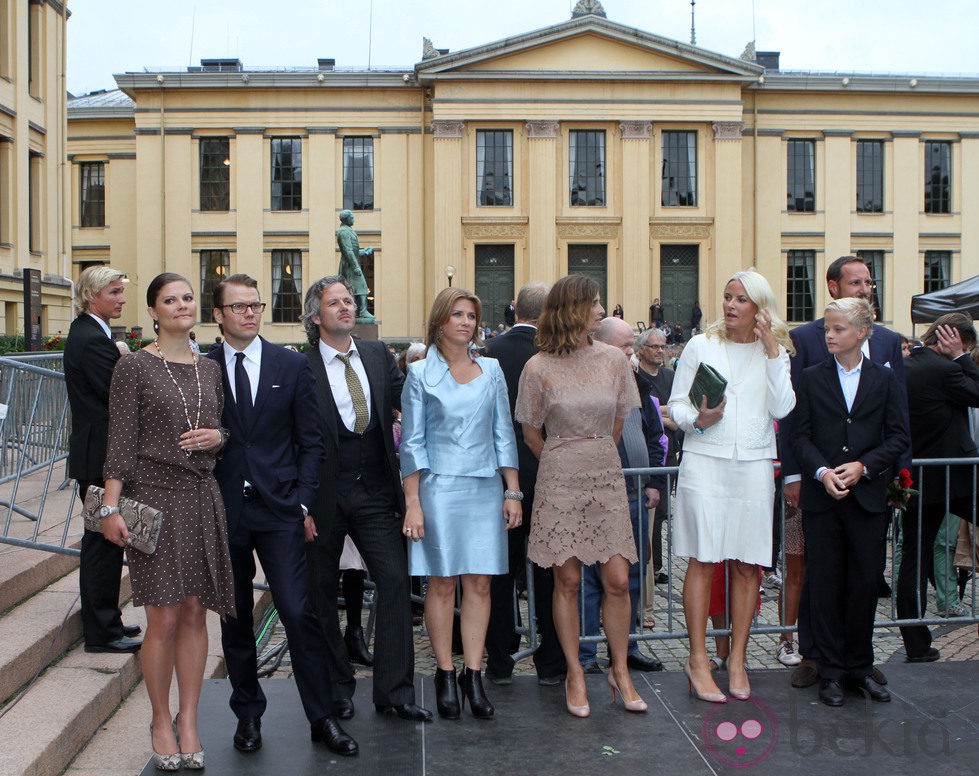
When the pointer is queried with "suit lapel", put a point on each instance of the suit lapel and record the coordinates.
(867, 384)
(324, 394)
(266, 379)
(832, 377)
(375, 379)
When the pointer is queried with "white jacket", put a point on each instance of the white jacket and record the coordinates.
(758, 393)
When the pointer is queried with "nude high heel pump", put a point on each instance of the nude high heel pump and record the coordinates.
(575, 711)
(637, 706)
(164, 762)
(710, 697)
(738, 693)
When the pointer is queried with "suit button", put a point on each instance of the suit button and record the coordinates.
(846, 449)
(849, 420)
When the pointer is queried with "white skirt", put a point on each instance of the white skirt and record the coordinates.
(724, 509)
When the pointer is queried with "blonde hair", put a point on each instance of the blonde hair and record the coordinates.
(90, 284)
(442, 310)
(759, 291)
(857, 312)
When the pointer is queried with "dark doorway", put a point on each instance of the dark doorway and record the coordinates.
(494, 280)
(592, 260)
(678, 266)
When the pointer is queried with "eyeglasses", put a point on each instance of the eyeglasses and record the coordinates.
(238, 308)
(656, 347)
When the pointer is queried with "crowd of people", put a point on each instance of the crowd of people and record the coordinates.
(460, 460)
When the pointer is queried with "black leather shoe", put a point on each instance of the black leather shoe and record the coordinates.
(640, 662)
(357, 650)
(878, 675)
(928, 657)
(118, 645)
(831, 692)
(806, 674)
(248, 736)
(344, 708)
(592, 668)
(409, 711)
(868, 686)
(446, 694)
(471, 688)
(328, 731)
(550, 681)
(131, 631)
(499, 679)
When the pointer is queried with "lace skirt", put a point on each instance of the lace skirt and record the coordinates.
(580, 505)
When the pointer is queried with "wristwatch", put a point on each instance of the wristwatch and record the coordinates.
(105, 512)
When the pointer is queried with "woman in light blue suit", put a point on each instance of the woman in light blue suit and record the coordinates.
(457, 438)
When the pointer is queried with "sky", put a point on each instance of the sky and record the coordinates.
(847, 36)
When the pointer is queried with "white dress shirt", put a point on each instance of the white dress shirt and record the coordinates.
(253, 366)
(849, 382)
(336, 373)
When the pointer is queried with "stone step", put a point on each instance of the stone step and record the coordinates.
(37, 630)
(24, 571)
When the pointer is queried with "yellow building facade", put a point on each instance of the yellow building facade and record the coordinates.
(656, 167)
(34, 197)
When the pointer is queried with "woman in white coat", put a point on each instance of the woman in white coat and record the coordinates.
(725, 488)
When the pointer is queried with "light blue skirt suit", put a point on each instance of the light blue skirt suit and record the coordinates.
(457, 437)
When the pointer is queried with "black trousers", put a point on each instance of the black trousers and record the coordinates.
(501, 637)
(281, 549)
(371, 519)
(99, 574)
(917, 565)
(844, 555)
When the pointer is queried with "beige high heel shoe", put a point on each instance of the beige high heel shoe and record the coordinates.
(575, 711)
(192, 761)
(164, 762)
(710, 697)
(637, 706)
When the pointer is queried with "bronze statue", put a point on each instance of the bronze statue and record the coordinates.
(350, 255)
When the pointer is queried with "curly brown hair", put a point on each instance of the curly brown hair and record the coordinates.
(567, 314)
(442, 310)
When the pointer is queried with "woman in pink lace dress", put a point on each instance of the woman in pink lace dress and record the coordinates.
(579, 392)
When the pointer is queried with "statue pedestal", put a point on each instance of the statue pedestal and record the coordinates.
(367, 331)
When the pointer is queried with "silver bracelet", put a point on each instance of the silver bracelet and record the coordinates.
(513, 495)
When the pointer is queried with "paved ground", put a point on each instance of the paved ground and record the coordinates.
(956, 639)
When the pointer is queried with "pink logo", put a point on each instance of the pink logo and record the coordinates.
(740, 734)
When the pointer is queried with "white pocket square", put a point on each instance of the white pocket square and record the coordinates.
(887, 364)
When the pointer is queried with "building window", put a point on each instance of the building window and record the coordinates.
(494, 167)
(875, 263)
(679, 169)
(938, 270)
(215, 267)
(358, 173)
(870, 176)
(800, 297)
(801, 166)
(287, 173)
(34, 54)
(938, 173)
(93, 193)
(215, 172)
(586, 154)
(287, 280)
(6, 146)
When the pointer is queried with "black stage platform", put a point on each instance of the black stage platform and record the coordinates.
(931, 728)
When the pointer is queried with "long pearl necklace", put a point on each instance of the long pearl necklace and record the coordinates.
(183, 400)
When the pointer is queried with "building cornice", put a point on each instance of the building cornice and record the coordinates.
(843, 82)
(303, 79)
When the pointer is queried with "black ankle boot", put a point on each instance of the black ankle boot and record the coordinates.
(471, 687)
(446, 697)
(356, 646)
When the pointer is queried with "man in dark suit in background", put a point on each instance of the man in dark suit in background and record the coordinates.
(847, 276)
(268, 476)
(849, 431)
(942, 383)
(513, 350)
(90, 356)
(357, 386)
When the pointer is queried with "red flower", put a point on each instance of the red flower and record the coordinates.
(904, 478)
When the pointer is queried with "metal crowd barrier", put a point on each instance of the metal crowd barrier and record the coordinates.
(672, 628)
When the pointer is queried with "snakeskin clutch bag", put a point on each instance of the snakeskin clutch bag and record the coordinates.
(144, 522)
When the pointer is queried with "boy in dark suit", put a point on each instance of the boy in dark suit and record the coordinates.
(850, 429)
(90, 357)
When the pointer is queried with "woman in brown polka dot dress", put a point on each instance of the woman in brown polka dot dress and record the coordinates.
(164, 433)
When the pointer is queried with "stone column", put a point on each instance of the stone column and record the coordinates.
(449, 183)
(908, 204)
(838, 196)
(729, 254)
(629, 279)
(543, 202)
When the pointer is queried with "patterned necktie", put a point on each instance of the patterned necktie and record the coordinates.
(243, 390)
(356, 395)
